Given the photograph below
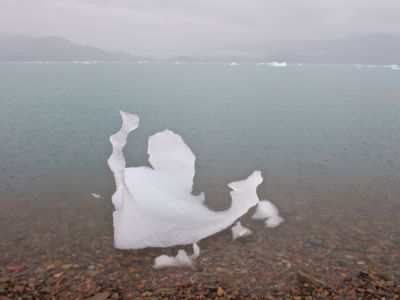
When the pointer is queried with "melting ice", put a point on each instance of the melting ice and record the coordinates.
(179, 261)
(155, 207)
(239, 231)
(268, 211)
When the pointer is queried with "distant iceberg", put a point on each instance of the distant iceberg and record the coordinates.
(394, 67)
(277, 64)
(233, 64)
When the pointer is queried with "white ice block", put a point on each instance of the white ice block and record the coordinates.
(154, 206)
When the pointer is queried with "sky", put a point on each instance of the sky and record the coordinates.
(164, 28)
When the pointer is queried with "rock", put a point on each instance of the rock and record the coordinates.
(344, 262)
(220, 292)
(115, 296)
(19, 289)
(4, 279)
(67, 266)
(50, 266)
(306, 279)
(362, 275)
(100, 296)
(315, 242)
(14, 267)
(57, 275)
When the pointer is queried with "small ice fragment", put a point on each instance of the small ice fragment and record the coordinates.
(277, 64)
(181, 260)
(233, 64)
(239, 231)
(395, 67)
(97, 196)
(266, 210)
(273, 222)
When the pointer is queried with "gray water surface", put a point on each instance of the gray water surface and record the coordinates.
(305, 123)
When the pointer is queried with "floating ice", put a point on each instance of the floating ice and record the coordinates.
(97, 196)
(233, 64)
(154, 206)
(277, 64)
(273, 221)
(266, 210)
(239, 231)
(394, 67)
(181, 260)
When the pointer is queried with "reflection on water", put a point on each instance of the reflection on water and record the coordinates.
(325, 139)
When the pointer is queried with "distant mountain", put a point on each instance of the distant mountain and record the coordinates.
(369, 49)
(52, 48)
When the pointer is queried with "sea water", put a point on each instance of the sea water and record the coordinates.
(300, 123)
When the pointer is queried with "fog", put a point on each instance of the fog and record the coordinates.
(160, 28)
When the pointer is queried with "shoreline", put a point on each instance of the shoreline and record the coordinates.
(65, 250)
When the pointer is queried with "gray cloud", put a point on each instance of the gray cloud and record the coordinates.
(163, 28)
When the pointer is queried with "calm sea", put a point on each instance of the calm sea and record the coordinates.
(302, 124)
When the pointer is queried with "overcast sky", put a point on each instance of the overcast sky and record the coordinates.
(163, 28)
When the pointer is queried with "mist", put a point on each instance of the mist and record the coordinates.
(163, 29)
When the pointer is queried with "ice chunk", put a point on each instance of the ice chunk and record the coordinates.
(239, 231)
(154, 207)
(181, 260)
(266, 210)
(273, 221)
(97, 196)
(233, 64)
(394, 67)
(277, 64)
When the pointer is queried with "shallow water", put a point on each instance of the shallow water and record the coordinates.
(326, 139)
